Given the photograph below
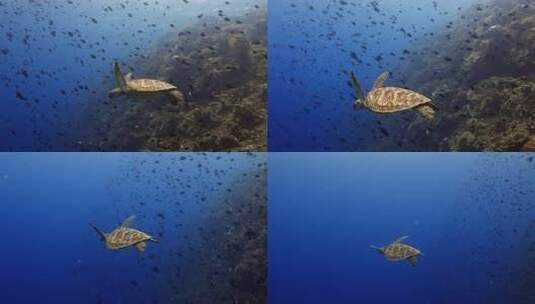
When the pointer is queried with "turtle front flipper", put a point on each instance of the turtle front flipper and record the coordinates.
(401, 239)
(126, 223)
(413, 260)
(121, 80)
(356, 86)
(115, 93)
(380, 82)
(100, 233)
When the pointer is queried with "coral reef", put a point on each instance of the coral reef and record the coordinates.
(481, 74)
(220, 66)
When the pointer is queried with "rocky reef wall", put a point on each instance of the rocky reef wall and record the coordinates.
(220, 66)
(480, 73)
(235, 247)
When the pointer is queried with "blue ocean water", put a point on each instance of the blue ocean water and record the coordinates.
(52, 255)
(56, 59)
(312, 47)
(472, 216)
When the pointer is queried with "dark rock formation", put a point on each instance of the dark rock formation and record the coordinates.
(236, 253)
(481, 74)
(220, 66)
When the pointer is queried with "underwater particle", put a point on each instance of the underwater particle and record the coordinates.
(397, 251)
(20, 96)
(391, 99)
(124, 237)
(129, 86)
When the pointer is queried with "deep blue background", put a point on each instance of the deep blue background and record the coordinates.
(472, 215)
(51, 255)
(310, 46)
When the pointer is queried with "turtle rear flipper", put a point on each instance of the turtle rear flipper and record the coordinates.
(432, 105)
(413, 260)
(141, 246)
(176, 96)
(427, 111)
(100, 233)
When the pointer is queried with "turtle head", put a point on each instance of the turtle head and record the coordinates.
(358, 104)
(115, 93)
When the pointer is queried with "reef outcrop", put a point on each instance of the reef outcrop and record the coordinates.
(481, 75)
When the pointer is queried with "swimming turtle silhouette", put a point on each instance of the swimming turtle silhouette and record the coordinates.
(139, 87)
(385, 100)
(398, 251)
(124, 236)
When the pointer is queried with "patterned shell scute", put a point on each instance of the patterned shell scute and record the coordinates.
(399, 251)
(150, 85)
(392, 99)
(125, 237)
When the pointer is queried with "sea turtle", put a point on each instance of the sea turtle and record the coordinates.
(385, 100)
(124, 236)
(397, 251)
(135, 87)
